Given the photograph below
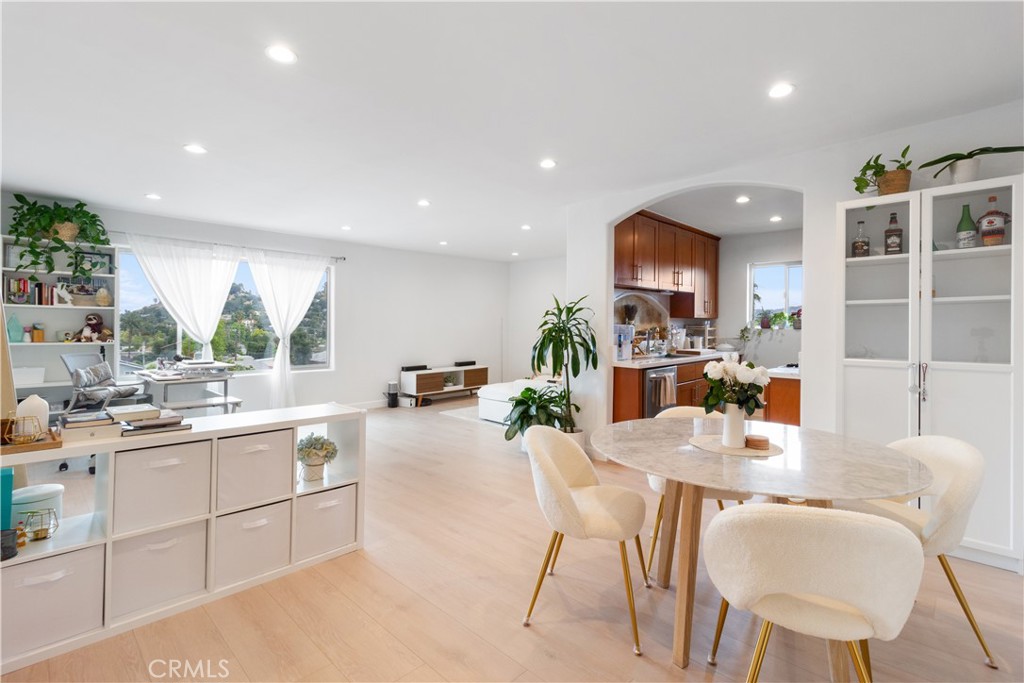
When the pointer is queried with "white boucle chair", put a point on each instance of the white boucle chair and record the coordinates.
(658, 484)
(575, 503)
(832, 574)
(957, 469)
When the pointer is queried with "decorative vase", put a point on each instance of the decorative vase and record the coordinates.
(766, 323)
(733, 432)
(103, 297)
(893, 182)
(965, 170)
(35, 407)
(798, 323)
(312, 466)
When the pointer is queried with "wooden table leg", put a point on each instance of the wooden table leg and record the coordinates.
(689, 542)
(669, 527)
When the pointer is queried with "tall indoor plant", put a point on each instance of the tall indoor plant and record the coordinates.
(568, 344)
(43, 232)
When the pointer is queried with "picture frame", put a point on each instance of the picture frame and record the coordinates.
(94, 261)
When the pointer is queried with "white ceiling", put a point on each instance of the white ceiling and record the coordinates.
(715, 209)
(458, 102)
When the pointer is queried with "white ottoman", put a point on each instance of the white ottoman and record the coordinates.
(495, 400)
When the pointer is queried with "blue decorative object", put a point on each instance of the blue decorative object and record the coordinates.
(14, 329)
(6, 496)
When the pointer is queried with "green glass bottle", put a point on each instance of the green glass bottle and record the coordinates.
(966, 230)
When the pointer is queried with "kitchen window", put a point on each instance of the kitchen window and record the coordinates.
(780, 287)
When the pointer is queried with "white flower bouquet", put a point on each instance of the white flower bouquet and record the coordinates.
(730, 381)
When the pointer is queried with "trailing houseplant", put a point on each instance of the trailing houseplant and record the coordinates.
(948, 160)
(874, 175)
(544, 406)
(568, 344)
(43, 232)
(315, 451)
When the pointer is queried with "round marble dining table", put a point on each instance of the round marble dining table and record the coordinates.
(814, 465)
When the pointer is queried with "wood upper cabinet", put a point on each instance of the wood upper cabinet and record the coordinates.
(675, 258)
(711, 279)
(636, 252)
(703, 303)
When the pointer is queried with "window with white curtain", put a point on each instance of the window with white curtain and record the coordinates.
(243, 336)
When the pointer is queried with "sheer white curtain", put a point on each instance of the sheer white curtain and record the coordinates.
(286, 284)
(192, 280)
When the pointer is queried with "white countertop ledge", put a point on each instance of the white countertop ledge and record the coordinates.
(645, 363)
(782, 372)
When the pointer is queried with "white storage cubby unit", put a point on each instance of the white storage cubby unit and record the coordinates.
(932, 343)
(182, 518)
(55, 385)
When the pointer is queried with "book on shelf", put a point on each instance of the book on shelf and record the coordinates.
(140, 431)
(85, 419)
(166, 417)
(75, 435)
(140, 411)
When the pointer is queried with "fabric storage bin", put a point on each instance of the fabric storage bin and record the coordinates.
(158, 485)
(155, 568)
(254, 468)
(252, 542)
(49, 600)
(325, 521)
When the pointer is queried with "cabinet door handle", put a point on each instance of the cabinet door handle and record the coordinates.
(47, 578)
(641, 269)
(924, 382)
(256, 448)
(163, 546)
(169, 462)
(914, 376)
(256, 524)
(328, 504)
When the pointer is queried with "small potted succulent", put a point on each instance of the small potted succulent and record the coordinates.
(765, 320)
(315, 451)
(44, 232)
(796, 320)
(874, 175)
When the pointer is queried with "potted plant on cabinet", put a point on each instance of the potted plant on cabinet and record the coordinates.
(875, 175)
(544, 406)
(567, 342)
(964, 166)
(43, 232)
(315, 451)
(797, 319)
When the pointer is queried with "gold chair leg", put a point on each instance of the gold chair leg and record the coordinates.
(865, 654)
(721, 505)
(643, 567)
(722, 611)
(629, 597)
(989, 659)
(654, 535)
(858, 662)
(759, 650)
(554, 558)
(540, 579)
(740, 502)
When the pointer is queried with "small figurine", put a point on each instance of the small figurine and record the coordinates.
(62, 294)
(93, 330)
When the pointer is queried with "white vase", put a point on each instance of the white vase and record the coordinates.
(37, 407)
(965, 170)
(733, 432)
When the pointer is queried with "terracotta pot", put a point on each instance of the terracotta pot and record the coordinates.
(766, 323)
(893, 182)
(66, 231)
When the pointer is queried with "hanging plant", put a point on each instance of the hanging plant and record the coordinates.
(43, 232)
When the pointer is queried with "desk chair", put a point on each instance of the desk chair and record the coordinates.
(833, 574)
(92, 382)
(957, 468)
(576, 503)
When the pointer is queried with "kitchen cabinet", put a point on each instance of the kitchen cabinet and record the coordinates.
(636, 252)
(782, 401)
(703, 302)
(675, 258)
(931, 343)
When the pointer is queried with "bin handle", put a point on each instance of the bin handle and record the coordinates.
(47, 578)
(255, 449)
(328, 504)
(169, 462)
(256, 524)
(163, 546)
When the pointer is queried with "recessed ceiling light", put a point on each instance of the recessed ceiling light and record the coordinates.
(781, 90)
(548, 163)
(775, 219)
(515, 253)
(423, 202)
(346, 227)
(194, 148)
(153, 195)
(527, 227)
(742, 199)
(281, 54)
(443, 244)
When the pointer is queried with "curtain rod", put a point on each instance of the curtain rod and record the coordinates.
(335, 259)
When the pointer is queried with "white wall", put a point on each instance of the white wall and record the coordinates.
(735, 254)
(823, 176)
(531, 287)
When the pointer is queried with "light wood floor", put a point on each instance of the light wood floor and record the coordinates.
(454, 540)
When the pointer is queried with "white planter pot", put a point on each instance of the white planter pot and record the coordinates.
(965, 170)
(733, 432)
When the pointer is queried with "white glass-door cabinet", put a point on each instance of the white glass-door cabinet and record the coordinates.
(931, 342)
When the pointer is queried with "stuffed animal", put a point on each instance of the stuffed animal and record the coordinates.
(93, 330)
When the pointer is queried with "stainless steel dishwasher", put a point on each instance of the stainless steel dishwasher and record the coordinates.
(659, 390)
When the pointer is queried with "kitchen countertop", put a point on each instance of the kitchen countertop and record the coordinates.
(782, 372)
(645, 363)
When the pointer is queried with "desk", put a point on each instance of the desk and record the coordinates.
(224, 401)
(815, 465)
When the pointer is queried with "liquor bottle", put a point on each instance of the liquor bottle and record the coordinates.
(992, 224)
(893, 236)
(861, 245)
(966, 231)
